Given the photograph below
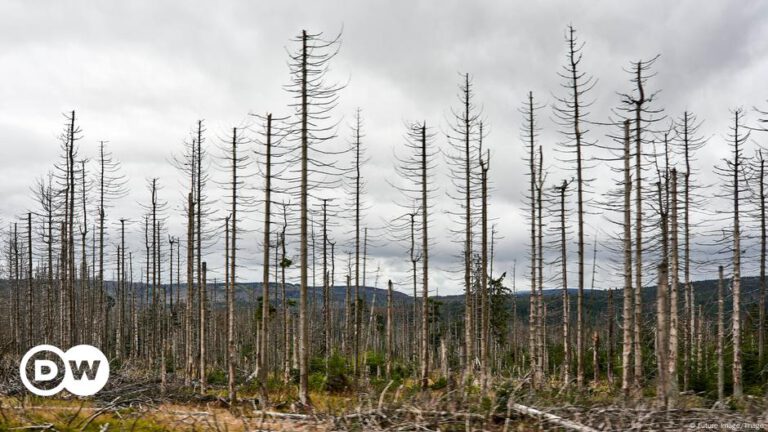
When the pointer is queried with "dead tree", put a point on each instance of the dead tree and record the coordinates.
(570, 114)
(202, 363)
(313, 100)
(189, 369)
(484, 162)
(561, 191)
(627, 313)
(636, 107)
(111, 186)
(417, 187)
(237, 163)
(687, 131)
(389, 330)
(733, 173)
(359, 159)
(529, 135)
(672, 389)
(761, 215)
(462, 137)
(720, 337)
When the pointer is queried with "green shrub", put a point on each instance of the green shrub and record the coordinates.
(216, 377)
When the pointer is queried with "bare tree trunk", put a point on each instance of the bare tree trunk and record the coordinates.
(228, 290)
(30, 304)
(303, 322)
(688, 303)
(197, 187)
(596, 356)
(415, 257)
(540, 307)
(190, 289)
(736, 315)
(468, 323)
(233, 278)
(611, 318)
(638, 349)
(202, 298)
(662, 324)
(424, 262)
(326, 291)
(357, 311)
(566, 303)
(485, 315)
(720, 337)
(264, 339)
(761, 313)
(73, 340)
(389, 329)
(672, 389)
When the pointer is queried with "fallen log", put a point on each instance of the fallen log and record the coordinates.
(564, 423)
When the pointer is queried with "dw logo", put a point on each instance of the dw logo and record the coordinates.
(83, 370)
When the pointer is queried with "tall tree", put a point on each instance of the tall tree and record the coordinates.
(687, 131)
(484, 162)
(570, 113)
(417, 187)
(462, 138)
(313, 100)
(529, 135)
(733, 173)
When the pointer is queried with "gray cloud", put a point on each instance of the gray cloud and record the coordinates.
(141, 73)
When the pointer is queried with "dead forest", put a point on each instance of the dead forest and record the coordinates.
(680, 326)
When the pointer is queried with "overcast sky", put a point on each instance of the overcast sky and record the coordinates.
(141, 73)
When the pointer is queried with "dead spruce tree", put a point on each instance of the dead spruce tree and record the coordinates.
(110, 183)
(529, 134)
(570, 113)
(65, 172)
(462, 139)
(357, 206)
(268, 152)
(484, 161)
(45, 197)
(689, 142)
(628, 309)
(734, 187)
(758, 192)
(191, 164)
(636, 106)
(237, 163)
(562, 195)
(416, 186)
(313, 100)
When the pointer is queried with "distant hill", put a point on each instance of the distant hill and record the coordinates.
(595, 301)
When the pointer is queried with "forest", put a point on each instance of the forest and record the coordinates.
(671, 337)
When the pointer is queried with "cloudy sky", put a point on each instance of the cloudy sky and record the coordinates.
(141, 73)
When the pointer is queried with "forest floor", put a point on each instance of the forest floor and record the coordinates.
(134, 404)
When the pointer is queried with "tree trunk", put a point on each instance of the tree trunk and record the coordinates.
(485, 315)
(190, 289)
(202, 299)
(233, 278)
(662, 326)
(720, 337)
(424, 262)
(303, 322)
(566, 303)
(638, 349)
(761, 313)
(389, 330)
(673, 390)
(264, 334)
